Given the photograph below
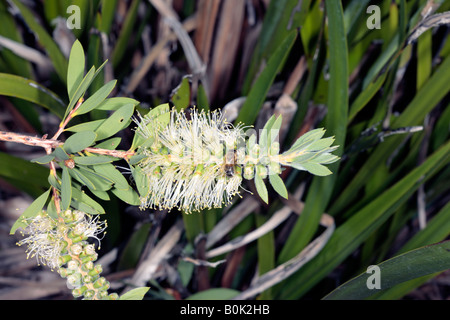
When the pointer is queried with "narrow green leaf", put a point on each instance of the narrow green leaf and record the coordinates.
(181, 97)
(141, 181)
(110, 144)
(44, 159)
(278, 185)
(258, 92)
(261, 188)
(316, 169)
(80, 90)
(91, 160)
(410, 265)
(96, 99)
(116, 122)
(75, 70)
(79, 176)
(60, 154)
(66, 189)
(86, 203)
(15, 86)
(86, 126)
(214, 294)
(32, 211)
(115, 103)
(110, 171)
(127, 195)
(79, 141)
(135, 294)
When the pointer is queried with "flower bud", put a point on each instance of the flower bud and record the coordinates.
(261, 171)
(249, 172)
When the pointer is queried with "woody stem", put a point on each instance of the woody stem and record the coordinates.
(49, 144)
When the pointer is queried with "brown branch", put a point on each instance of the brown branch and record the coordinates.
(49, 144)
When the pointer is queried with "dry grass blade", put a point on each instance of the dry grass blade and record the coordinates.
(286, 269)
(147, 268)
(146, 63)
(247, 206)
(430, 22)
(27, 53)
(224, 53)
(276, 219)
(207, 13)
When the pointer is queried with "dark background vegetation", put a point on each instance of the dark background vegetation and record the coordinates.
(368, 88)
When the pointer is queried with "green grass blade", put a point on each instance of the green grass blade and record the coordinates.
(15, 86)
(47, 42)
(336, 124)
(258, 92)
(411, 265)
(349, 235)
(424, 101)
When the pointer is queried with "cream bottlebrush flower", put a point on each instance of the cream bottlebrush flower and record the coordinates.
(48, 238)
(190, 163)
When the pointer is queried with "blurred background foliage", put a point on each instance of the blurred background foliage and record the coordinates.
(383, 94)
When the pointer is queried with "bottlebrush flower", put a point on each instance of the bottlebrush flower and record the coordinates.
(186, 163)
(197, 160)
(47, 238)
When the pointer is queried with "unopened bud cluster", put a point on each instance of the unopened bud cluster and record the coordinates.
(63, 245)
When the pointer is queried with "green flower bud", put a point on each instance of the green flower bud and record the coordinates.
(78, 292)
(261, 171)
(249, 172)
(274, 168)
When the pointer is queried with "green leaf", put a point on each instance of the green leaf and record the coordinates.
(214, 294)
(116, 122)
(159, 118)
(135, 294)
(79, 141)
(79, 176)
(44, 159)
(141, 180)
(83, 202)
(96, 99)
(261, 188)
(278, 185)
(258, 92)
(75, 71)
(15, 86)
(115, 103)
(410, 265)
(86, 126)
(99, 181)
(90, 160)
(80, 90)
(66, 189)
(110, 144)
(32, 211)
(181, 97)
(110, 171)
(316, 169)
(127, 195)
(60, 154)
